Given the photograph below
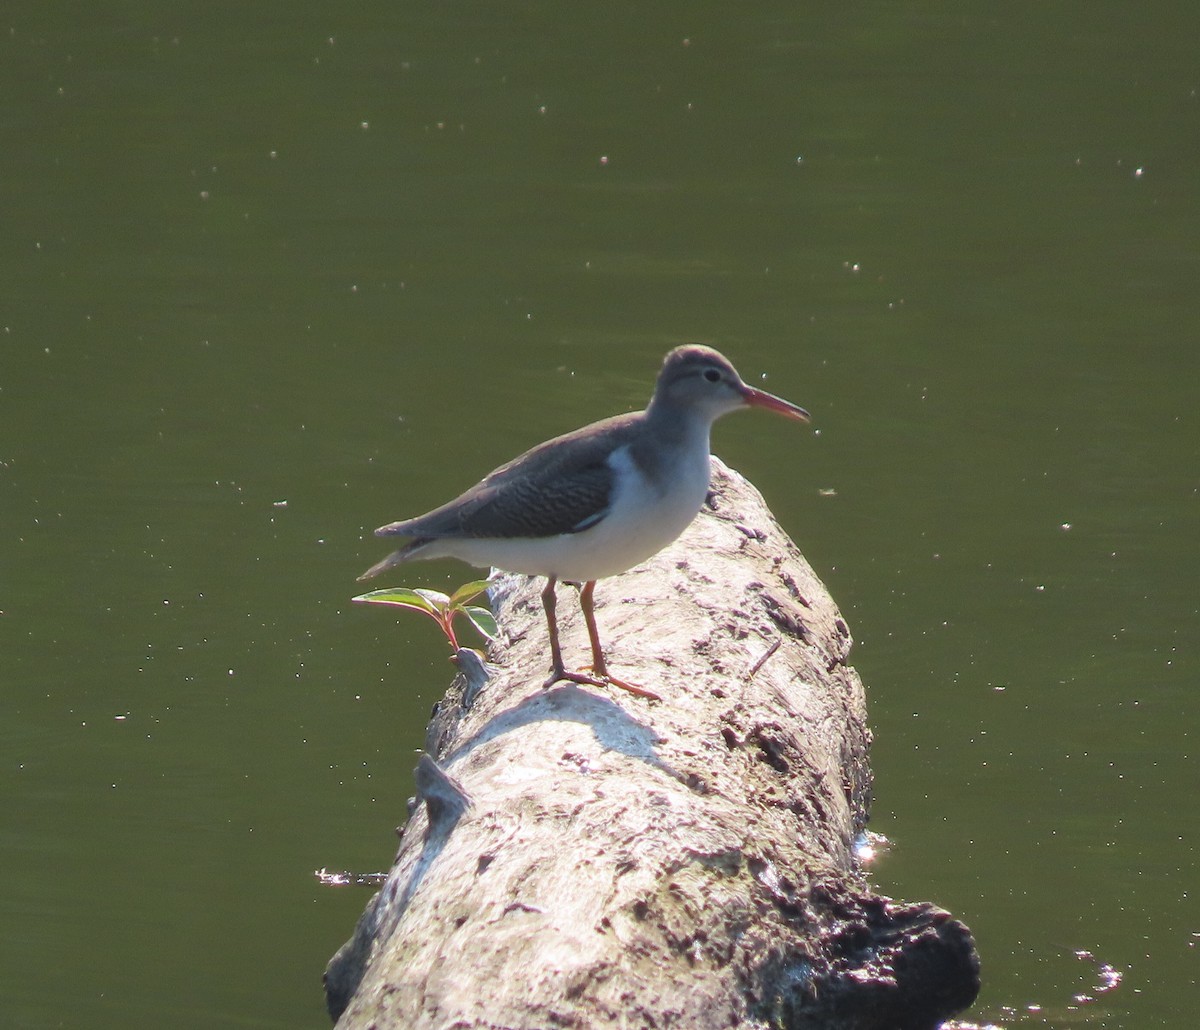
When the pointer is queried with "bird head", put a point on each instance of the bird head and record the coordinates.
(698, 380)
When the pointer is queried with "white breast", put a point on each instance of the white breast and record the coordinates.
(643, 520)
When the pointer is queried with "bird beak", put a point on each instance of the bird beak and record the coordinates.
(761, 399)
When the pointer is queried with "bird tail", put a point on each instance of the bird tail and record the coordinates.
(393, 559)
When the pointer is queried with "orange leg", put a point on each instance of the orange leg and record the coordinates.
(599, 666)
(549, 602)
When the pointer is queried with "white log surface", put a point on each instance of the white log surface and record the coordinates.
(588, 858)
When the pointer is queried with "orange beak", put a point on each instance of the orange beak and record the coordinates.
(761, 399)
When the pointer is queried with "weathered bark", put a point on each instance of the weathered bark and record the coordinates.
(588, 858)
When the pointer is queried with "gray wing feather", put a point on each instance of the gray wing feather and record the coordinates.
(561, 486)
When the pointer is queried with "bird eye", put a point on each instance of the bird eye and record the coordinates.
(712, 375)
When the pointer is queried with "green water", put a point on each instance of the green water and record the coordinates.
(273, 275)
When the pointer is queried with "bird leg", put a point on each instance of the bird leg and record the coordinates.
(558, 671)
(599, 665)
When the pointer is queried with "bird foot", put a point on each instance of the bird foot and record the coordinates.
(633, 688)
(598, 680)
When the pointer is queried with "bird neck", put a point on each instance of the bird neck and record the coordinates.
(678, 427)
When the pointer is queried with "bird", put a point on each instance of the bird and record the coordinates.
(595, 502)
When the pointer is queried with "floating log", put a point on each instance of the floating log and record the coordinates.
(582, 857)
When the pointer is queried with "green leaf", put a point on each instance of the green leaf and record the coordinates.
(468, 591)
(483, 620)
(403, 598)
(435, 597)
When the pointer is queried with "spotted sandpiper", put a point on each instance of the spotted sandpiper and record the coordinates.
(595, 502)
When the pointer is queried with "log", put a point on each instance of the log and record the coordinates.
(583, 857)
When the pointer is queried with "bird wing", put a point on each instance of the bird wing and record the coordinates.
(561, 486)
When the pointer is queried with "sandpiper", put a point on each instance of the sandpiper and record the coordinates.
(595, 502)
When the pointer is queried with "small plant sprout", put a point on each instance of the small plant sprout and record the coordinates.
(442, 608)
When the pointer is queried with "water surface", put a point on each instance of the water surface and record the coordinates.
(274, 276)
